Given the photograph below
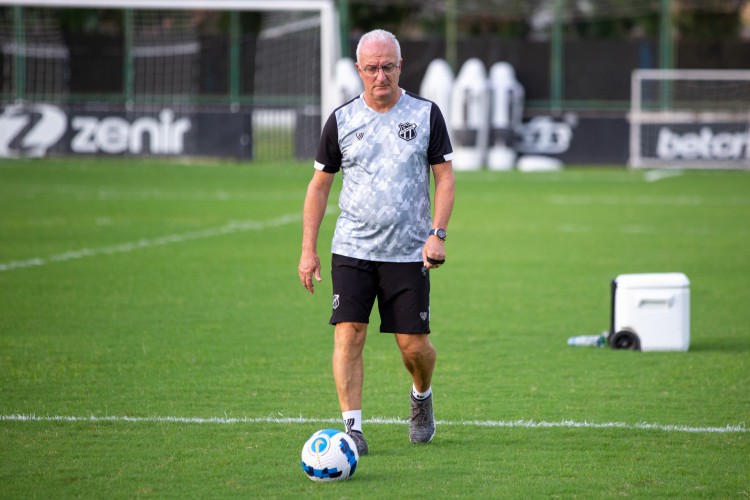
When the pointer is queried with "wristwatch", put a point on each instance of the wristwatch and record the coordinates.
(439, 232)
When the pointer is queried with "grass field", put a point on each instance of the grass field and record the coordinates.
(155, 340)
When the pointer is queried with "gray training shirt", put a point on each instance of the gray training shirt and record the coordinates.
(385, 161)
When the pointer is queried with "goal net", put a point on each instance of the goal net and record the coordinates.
(690, 119)
(271, 61)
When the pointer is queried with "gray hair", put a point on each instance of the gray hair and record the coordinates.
(379, 36)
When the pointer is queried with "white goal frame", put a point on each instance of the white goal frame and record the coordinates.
(329, 43)
(700, 119)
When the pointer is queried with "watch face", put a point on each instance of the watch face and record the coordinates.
(440, 233)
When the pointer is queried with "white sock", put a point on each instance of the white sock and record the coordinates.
(420, 395)
(352, 420)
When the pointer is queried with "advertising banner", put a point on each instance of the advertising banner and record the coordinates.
(37, 130)
(696, 142)
(575, 139)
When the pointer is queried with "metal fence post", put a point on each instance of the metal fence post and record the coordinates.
(19, 54)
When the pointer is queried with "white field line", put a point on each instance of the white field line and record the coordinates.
(647, 201)
(640, 201)
(657, 175)
(228, 228)
(524, 424)
(121, 193)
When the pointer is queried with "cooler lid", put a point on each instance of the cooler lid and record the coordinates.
(653, 280)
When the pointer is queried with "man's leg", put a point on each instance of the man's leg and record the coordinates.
(348, 368)
(348, 373)
(418, 355)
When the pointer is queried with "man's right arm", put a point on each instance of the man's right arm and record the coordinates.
(316, 201)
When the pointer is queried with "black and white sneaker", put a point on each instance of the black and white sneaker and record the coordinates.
(422, 421)
(360, 441)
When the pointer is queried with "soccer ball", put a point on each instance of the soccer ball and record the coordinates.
(329, 455)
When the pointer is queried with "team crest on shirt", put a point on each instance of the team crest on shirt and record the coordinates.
(407, 131)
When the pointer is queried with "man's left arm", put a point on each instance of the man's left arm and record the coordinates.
(445, 194)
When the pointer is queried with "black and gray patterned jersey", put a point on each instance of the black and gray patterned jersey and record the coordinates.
(385, 162)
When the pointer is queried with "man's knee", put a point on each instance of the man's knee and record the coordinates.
(416, 346)
(350, 335)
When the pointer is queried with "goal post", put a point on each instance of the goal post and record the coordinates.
(690, 119)
(329, 47)
(265, 65)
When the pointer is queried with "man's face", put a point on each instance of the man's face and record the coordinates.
(379, 58)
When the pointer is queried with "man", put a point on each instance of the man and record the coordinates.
(385, 242)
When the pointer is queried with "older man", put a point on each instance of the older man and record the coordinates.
(385, 142)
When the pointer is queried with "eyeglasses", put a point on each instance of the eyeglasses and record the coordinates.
(388, 69)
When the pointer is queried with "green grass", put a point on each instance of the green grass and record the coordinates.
(170, 290)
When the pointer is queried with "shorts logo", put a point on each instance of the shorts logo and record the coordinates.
(423, 315)
(336, 301)
(407, 131)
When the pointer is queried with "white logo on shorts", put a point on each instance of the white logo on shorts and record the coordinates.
(336, 301)
(423, 315)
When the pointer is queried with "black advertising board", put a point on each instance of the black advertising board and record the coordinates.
(37, 130)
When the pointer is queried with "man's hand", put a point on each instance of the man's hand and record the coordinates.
(434, 249)
(309, 267)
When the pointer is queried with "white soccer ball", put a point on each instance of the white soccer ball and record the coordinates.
(329, 455)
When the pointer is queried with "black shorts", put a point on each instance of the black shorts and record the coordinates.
(402, 290)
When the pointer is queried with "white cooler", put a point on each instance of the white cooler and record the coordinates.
(650, 312)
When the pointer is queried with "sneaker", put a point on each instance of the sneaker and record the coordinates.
(360, 441)
(422, 421)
